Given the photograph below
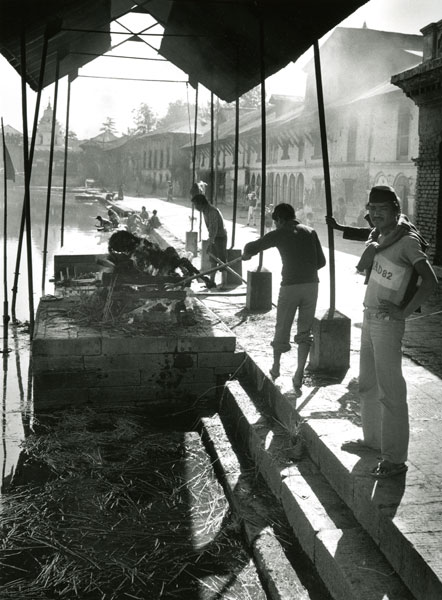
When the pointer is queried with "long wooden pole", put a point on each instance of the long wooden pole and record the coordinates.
(202, 273)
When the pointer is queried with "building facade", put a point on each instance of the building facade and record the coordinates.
(423, 84)
(372, 130)
(40, 164)
(143, 164)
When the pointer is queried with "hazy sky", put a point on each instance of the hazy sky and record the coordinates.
(93, 100)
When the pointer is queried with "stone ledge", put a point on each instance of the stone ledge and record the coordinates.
(347, 559)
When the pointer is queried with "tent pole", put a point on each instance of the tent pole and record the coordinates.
(51, 160)
(5, 250)
(326, 166)
(263, 135)
(27, 169)
(195, 130)
(235, 181)
(212, 146)
(31, 157)
(65, 166)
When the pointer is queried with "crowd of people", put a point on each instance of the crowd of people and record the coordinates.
(135, 222)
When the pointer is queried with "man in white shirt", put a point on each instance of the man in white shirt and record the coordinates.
(392, 257)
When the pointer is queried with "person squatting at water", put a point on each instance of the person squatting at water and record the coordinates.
(393, 260)
(302, 257)
(217, 234)
(154, 221)
(147, 257)
(103, 224)
(133, 222)
(113, 217)
(144, 215)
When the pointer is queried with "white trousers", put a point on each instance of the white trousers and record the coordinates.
(382, 388)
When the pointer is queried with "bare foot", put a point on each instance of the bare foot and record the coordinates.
(274, 372)
(297, 380)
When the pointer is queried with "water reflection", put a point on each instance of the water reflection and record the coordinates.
(79, 234)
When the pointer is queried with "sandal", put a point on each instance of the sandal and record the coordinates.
(385, 469)
(358, 444)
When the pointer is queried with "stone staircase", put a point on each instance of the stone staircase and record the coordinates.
(342, 520)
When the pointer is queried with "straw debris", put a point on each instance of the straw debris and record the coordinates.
(126, 510)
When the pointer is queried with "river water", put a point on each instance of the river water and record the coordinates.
(79, 233)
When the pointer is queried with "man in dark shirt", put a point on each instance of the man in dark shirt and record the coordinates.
(217, 234)
(302, 256)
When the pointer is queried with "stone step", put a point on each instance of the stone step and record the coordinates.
(346, 558)
(401, 518)
(280, 579)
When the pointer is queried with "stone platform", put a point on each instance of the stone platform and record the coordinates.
(131, 366)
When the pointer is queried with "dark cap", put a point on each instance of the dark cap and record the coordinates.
(383, 193)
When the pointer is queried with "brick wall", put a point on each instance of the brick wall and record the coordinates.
(428, 175)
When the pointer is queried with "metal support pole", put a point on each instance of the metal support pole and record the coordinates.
(5, 248)
(216, 154)
(195, 131)
(212, 147)
(51, 164)
(326, 166)
(65, 166)
(263, 135)
(31, 158)
(235, 181)
(27, 168)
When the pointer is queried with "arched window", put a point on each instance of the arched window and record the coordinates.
(403, 133)
(300, 189)
(252, 182)
(292, 191)
(284, 189)
(277, 189)
(269, 189)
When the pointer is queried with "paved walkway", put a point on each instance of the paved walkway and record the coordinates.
(423, 338)
(412, 540)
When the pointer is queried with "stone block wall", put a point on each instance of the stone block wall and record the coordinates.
(110, 368)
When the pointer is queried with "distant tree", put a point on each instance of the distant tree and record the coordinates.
(251, 99)
(72, 135)
(108, 125)
(145, 119)
(176, 111)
